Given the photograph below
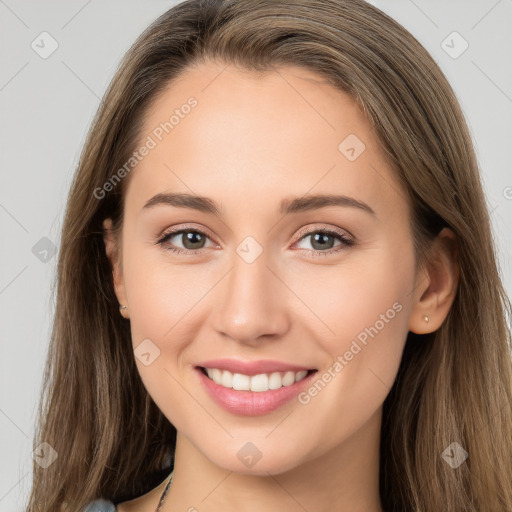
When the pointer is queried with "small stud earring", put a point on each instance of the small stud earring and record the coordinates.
(425, 318)
(121, 307)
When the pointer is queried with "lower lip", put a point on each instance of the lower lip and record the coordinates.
(252, 403)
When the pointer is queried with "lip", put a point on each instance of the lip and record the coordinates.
(252, 367)
(252, 403)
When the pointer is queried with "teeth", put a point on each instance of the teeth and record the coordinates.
(225, 378)
(275, 381)
(258, 383)
(241, 382)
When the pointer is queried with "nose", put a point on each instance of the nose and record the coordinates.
(252, 302)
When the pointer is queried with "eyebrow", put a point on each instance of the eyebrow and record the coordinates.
(293, 205)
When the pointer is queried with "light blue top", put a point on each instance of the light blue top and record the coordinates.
(100, 506)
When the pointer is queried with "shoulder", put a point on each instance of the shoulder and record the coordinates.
(146, 503)
(100, 506)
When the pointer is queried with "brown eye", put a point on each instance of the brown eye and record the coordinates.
(323, 240)
(191, 240)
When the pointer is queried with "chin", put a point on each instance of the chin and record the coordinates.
(249, 460)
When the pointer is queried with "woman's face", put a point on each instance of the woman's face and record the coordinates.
(257, 280)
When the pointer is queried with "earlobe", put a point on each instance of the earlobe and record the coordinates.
(437, 290)
(112, 250)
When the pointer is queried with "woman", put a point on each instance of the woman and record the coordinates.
(277, 281)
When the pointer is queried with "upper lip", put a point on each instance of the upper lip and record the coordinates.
(252, 367)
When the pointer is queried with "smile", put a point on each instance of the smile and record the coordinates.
(252, 395)
(258, 383)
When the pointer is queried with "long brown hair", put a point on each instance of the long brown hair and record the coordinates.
(453, 385)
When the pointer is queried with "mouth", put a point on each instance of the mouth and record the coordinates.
(253, 395)
(258, 383)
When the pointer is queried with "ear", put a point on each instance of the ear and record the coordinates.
(436, 287)
(113, 252)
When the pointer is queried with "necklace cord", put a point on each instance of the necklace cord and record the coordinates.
(160, 503)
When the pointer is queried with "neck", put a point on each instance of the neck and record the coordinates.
(345, 478)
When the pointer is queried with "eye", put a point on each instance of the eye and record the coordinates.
(192, 240)
(323, 241)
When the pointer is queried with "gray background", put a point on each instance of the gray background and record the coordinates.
(48, 104)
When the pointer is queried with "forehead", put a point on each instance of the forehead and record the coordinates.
(253, 137)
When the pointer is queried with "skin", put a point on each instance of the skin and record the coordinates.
(252, 141)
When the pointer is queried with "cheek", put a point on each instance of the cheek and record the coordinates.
(165, 306)
(370, 288)
(366, 305)
(165, 298)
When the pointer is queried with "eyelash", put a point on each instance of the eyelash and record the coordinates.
(345, 241)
